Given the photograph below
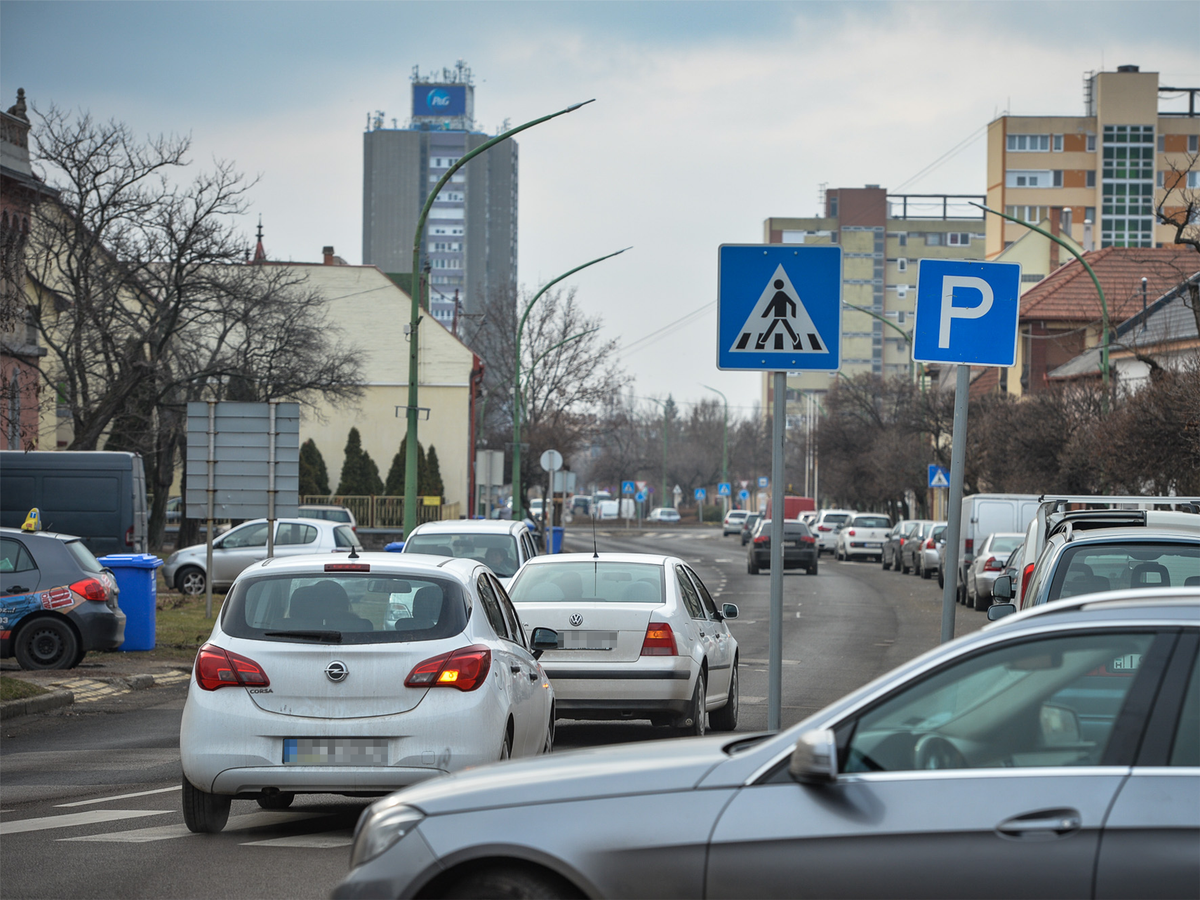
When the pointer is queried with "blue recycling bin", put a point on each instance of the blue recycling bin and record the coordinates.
(394, 547)
(556, 539)
(137, 580)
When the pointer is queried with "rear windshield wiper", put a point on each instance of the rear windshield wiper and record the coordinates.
(329, 637)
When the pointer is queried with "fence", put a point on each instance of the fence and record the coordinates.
(386, 512)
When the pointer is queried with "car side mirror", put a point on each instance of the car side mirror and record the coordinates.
(814, 760)
(1000, 610)
(729, 610)
(543, 639)
(1002, 587)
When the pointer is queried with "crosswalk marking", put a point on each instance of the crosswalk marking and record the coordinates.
(117, 797)
(169, 832)
(327, 841)
(72, 820)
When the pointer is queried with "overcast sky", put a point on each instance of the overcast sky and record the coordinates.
(710, 117)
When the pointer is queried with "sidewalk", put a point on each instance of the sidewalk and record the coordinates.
(99, 677)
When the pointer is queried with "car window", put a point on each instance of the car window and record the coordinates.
(836, 518)
(295, 533)
(510, 614)
(872, 522)
(690, 598)
(705, 598)
(1095, 568)
(83, 556)
(491, 607)
(617, 582)
(1185, 750)
(1047, 702)
(247, 536)
(344, 536)
(14, 557)
(791, 528)
(1002, 544)
(351, 607)
(497, 551)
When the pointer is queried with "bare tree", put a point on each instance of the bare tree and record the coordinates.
(1179, 208)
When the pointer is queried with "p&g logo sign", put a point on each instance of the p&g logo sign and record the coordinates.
(437, 99)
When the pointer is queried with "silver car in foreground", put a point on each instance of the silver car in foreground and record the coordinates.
(1054, 754)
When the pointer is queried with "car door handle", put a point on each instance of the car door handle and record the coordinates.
(516, 670)
(17, 589)
(533, 676)
(1043, 824)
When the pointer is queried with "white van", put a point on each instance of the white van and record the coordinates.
(984, 514)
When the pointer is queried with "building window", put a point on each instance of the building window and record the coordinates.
(1064, 221)
(1160, 178)
(902, 265)
(903, 236)
(833, 206)
(1029, 143)
(1090, 178)
(1127, 186)
(934, 239)
(1032, 214)
(1162, 143)
(958, 239)
(1193, 180)
(1034, 178)
(1057, 177)
(1194, 143)
(1089, 214)
(1058, 143)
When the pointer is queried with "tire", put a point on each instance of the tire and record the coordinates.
(726, 718)
(885, 562)
(981, 603)
(511, 883)
(812, 570)
(190, 581)
(903, 565)
(506, 745)
(694, 723)
(751, 568)
(925, 573)
(941, 580)
(47, 642)
(281, 800)
(204, 813)
(548, 747)
(961, 591)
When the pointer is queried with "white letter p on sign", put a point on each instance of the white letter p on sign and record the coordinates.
(950, 311)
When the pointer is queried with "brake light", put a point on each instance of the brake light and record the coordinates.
(993, 565)
(823, 528)
(129, 536)
(762, 539)
(851, 532)
(465, 669)
(929, 544)
(1025, 576)
(808, 539)
(347, 567)
(91, 589)
(218, 668)
(969, 545)
(659, 640)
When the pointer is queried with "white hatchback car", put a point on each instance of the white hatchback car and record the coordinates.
(639, 637)
(826, 527)
(663, 514)
(302, 689)
(501, 544)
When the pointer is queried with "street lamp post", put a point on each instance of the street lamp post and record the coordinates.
(664, 460)
(724, 448)
(518, 506)
(410, 459)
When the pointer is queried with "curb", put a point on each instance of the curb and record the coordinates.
(11, 709)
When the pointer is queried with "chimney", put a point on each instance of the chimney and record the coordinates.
(328, 253)
(1056, 230)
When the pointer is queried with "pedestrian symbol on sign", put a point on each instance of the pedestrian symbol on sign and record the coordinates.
(780, 320)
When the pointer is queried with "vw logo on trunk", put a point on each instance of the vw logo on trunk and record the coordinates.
(576, 620)
(337, 670)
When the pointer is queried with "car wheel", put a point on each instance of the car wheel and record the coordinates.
(693, 723)
(961, 590)
(46, 643)
(941, 580)
(506, 746)
(726, 718)
(885, 562)
(190, 581)
(510, 882)
(925, 573)
(981, 602)
(549, 745)
(812, 570)
(204, 813)
(903, 565)
(278, 800)
(751, 568)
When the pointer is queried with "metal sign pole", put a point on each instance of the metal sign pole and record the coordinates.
(958, 453)
(271, 480)
(212, 488)
(775, 669)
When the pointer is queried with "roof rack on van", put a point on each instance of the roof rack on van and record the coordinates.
(1059, 501)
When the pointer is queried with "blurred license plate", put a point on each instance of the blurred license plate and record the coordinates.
(875, 544)
(335, 751)
(587, 640)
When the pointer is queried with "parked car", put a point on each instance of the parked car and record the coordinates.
(983, 514)
(58, 601)
(329, 513)
(914, 545)
(893, 542)
(748, 527)
(663, 514)
(186, 569)
(863, 536)
(503, 546)
(928, 560)
(301, 689)
(799, 548)
(989, 563)
(1014, 745)
(733, 521)
(640, 637)
(826, 529)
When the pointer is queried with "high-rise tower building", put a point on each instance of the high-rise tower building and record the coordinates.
(470, 244)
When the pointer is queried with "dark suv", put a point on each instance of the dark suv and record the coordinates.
(58, 602)
(799, 547)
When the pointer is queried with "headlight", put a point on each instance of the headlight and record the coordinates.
(382, 824)
(172, 558)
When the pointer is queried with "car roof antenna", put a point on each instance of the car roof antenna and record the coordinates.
(353, 552)
(595, 552)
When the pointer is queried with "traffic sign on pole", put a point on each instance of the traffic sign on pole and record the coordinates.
(763, 481)
(966, 312)
(700, 493)
(628, 487)
(779, 307)
(723, 489)
(939, 477)
(743, 495)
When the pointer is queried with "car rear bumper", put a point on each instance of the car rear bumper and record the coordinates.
(864, 548)
(792, 559)
(100, 628)
(619, 709)
(658, 684)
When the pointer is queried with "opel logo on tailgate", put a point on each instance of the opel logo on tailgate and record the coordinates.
(337, 670)
(576, 620)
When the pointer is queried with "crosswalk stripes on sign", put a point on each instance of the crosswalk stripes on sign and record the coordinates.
(779, 321)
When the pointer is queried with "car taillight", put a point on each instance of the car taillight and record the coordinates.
(91, 589)
(929, 544)
(347, 567)
(808, 539)
(659, 640)
(129, 536)
(993, 565)
(465, 669)
(218, 668)
(851, 532)
(823, 528)
(1025, 576)
(969, 545)
(762, 539)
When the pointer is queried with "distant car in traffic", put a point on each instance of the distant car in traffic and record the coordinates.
(913, 546)
(928, 559)
(663, 514)
(749, 525)
(862, 536)
(825, 530)
(503, 545)
(990, 560)
(733, 521)
(799, 547)
(340, 514)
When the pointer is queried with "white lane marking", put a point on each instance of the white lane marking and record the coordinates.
(168, 832)
(71, 820)
(326, 841)
(797, 614)
(722, 560)
(117, 797)
(744, 699)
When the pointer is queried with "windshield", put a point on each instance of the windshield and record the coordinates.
(345, 608)
(496, 551)
(1004, 544)
(872, 522)
(589, 581)
(835, 518)
(1095, 568)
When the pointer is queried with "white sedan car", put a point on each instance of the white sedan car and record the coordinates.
(302, 689)
(639, 637)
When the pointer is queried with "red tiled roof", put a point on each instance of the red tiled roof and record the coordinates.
(1068, 293)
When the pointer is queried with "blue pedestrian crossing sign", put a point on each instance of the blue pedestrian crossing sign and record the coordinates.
(700, 493)
(723, 489)
(779, 307)
(938, 477)
(967, 312)
(628, 487)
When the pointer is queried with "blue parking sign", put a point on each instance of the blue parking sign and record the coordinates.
(966, 312)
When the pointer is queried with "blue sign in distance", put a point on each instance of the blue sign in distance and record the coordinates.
(939, 476)
(439, 100)
(640, 496)
(628, 487)
(779, 307)
(700, 493)
(763, 481)
(723, 489)
(967, 312)
(743, 495)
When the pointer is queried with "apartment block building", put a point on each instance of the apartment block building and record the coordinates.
(882, 236)
(1098, 177)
